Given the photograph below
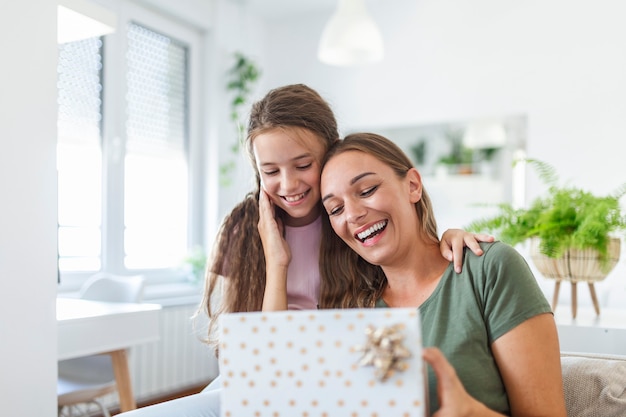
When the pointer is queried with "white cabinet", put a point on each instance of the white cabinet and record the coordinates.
(460, 199)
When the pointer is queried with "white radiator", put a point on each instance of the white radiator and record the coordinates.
(177, 361)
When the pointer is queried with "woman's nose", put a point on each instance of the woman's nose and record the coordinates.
(354, 211)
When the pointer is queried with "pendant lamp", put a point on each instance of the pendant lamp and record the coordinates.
(82, 19)
(351, 36)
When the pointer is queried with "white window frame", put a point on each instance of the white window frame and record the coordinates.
(113, 136)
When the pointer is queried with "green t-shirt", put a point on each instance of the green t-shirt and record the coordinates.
(467, 312)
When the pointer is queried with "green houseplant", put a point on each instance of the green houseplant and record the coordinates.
(242, 76)
(460, 158)
(568, 228)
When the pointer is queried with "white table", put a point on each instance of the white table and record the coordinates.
(88, 327)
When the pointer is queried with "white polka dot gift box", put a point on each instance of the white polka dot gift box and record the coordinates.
(322, 363)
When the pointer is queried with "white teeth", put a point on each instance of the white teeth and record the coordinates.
(294, 198)
(366, 233)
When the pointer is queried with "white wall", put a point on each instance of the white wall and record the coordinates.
(235, 29)
(561, 63)
(28, 277)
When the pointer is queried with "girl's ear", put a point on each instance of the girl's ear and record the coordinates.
(415, 185)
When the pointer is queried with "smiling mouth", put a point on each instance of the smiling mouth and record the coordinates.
(372, 231)
(294, 198)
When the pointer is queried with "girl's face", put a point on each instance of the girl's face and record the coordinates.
(370, 207)
(288, 162)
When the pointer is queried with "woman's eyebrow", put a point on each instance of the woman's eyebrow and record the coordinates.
(326, 197)
(358, 177)
(352, 182)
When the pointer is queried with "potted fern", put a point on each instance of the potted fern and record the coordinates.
(242, 77)
(572, 232)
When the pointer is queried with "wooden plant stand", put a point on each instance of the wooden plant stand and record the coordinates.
(575, 266)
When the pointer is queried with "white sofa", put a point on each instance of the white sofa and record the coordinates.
(595, 386)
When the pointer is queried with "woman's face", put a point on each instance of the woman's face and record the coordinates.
(370, 207)
(288, 162)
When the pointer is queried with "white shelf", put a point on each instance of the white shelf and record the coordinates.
(590, 333)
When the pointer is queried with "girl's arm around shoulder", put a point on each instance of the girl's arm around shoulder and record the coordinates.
(453, 242)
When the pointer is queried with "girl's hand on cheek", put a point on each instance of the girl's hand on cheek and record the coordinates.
(271, 230)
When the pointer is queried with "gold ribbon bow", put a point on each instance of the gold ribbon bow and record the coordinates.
(384, 350)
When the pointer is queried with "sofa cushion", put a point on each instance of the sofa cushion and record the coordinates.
(595, 385)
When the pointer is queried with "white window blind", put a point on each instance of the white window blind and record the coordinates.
(79, 157)
(155, 201)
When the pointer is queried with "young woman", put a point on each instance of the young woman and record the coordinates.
(495, 348)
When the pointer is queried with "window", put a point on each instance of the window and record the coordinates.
(124, 141)
(79, 156)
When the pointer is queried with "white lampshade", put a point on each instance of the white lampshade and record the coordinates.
(351, 36)
(82, 19)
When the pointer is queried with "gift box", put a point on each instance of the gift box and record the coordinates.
(350, 362)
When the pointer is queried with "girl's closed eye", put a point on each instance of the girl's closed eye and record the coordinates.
(270, 172)
(305, 166)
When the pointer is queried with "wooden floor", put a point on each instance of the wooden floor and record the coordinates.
(171, 396)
